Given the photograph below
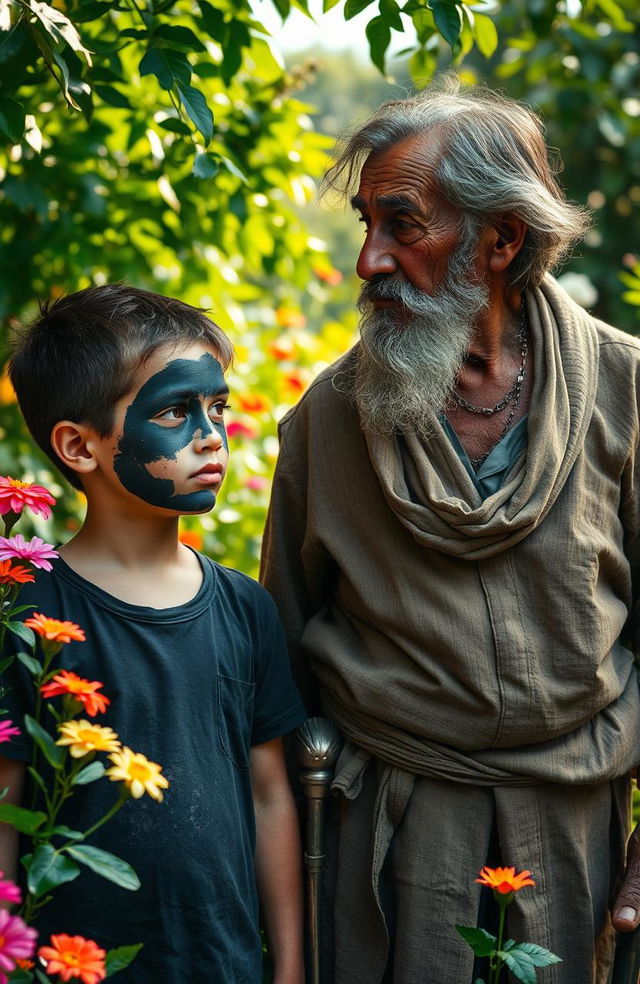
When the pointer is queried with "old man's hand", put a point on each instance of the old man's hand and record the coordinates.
(626, 910)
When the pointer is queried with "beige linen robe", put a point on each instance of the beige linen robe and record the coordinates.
(477, 655)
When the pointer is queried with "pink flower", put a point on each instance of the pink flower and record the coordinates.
(9, 892)
(8, 731)
(256, 483)
(36, 551)
(236, 428)
(17, 940)
(15, 495)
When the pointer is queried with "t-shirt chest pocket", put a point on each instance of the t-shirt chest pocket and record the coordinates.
(235, 714)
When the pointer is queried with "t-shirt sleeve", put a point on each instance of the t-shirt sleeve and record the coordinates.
(278, 707)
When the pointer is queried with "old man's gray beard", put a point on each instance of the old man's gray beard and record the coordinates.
(410, 357)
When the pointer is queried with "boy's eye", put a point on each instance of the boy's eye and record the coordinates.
(217, 409)
(172, 413)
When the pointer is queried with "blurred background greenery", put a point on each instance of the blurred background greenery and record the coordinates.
(170, 144)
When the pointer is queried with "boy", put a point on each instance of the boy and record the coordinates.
(124, 390)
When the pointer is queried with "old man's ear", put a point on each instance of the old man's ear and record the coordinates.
(507, 235)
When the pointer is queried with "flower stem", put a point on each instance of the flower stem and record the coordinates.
(497, 962)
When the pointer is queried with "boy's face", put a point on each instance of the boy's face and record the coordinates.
(169, 445)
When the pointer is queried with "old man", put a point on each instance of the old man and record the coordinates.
(453, 543)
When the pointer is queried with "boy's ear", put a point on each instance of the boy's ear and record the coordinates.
(73, 444)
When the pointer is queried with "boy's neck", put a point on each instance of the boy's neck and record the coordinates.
(136, 558)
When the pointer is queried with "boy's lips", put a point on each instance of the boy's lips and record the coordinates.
(210, 474)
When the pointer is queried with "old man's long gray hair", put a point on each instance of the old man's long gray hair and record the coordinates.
(492, 159)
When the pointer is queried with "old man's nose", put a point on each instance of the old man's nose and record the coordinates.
(374, 259)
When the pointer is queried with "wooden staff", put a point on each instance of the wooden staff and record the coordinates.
(318, 745)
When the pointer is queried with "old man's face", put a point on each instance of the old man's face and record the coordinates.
(421, 300)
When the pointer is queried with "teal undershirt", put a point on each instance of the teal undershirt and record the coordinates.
(496, 466)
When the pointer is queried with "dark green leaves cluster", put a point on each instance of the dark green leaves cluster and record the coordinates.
(521, 958)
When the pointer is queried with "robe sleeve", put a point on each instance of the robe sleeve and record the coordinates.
(295, 568)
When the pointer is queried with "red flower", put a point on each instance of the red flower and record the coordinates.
(84, 691)
(504, 880)
(15, 495)
(74, 957)
(54, 630)
(14, 575)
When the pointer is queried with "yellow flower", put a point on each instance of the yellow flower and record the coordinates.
(138, 773)
(83, 737)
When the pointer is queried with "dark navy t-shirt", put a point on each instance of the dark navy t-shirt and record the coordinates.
(191, 688)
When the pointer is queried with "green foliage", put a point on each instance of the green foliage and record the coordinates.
(164, 143)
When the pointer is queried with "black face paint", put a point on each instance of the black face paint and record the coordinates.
(143, 442)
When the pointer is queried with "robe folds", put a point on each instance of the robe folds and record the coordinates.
(477, 655)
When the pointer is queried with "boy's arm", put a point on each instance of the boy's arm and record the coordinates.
(278, 861)
(12, 773)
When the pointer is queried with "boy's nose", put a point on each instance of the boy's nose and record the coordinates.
(209, 439)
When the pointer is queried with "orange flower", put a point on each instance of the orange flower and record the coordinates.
(25, 964)
(191, 538)
(54, 630)
(84, 691)
(14, 575)
(74, 957)
(504, 880)
(252, 403)
(290, 318)
(329, 275)
(294, 384)
(282, 348)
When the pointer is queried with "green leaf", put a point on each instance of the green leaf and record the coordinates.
(174, 125)
(448, 20)
(52, 752)
(47, 869)
(61, 830)
(378, 35)
(59, 28)
(23, 631)
(13, 41)
(91, 772)
(12, 125)
(169, 67)
(520, 965)
(213, 20)
(26, 821)
(32, 664)
(105, 864)
(422, 65)
(6, 662)
(390, 12)
(205, 165)
(112, 97)
(76, 92)
(631, 296)
(328, 5)
(181, 36)
(482, 943)
(538, 956)
(283, 7)
(120, 958)
(196, 106)
(37, 778)
(353, 7)
(486, 35)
